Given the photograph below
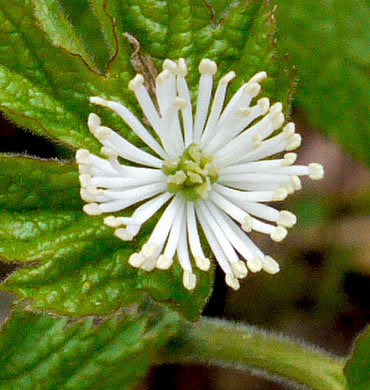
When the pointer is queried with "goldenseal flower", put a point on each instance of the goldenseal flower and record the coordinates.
(207, 171)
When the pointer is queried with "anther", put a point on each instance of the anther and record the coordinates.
(289, 159)
(227, 78)
(296, 182)
(92, 209)
(287, 219)
(247, 226)
(136, 260)
(264, 105)
(231, 281)
(163, 76)
(169, 65)
(112, 221)
(189, 280)
(239, 269)
(293, 142)
(93, 122)
(279, 234)
(280, 194)
(108, 152)
(136, 82)
(202, 263)
(252, 89)
(98, 100)
(277, 107)
(277, 119)
(255, 264)
(316, 171)
(163, 262)
(207, 66)
(83, 156)
(103, 133)
(289, 130)
(123, 235)
(270, 265)
(182, 67)
(258, 77)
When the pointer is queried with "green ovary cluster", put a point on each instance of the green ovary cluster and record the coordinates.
(192, 174)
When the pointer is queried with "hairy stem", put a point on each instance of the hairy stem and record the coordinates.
(242, 347)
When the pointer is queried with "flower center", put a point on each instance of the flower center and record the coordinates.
(192, 174)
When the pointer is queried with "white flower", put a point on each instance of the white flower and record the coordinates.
(207, 171)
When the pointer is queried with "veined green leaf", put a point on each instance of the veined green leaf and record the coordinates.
(328, 41)
(77, 266)
(42, 352)
(45, 88)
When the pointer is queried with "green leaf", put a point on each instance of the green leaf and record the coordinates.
(328, 41)
(77, 266)
(239, 37)
(41, 352)
(357, 369)
(45, 88)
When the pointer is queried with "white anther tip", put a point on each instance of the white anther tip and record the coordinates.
(232, 281)
(202, 263)
(136, 260)
(82, 156)
(228, 77)
(289, 159)
(163, 76)
(87, 196)
(123, 235)
(248, 224)
(255, 264)
(289, 130)
(136, 82)
(258, 77)
(239, 269)
(279, 234)
(264, 105)
(277, 119)
(316, 171)
(207, 66)
(169, 65)
(287, 219)
(296, 182)
(103, 133)
(179, 103)
(257, 140)
(163, 262)
(277, 107)
(189, 280)
(148, 250)
(111, 221)
(93, 122)
(98, 100)
(280, 194)
(293, 142)
(92, 209)
(252, 89)
(182, 67)
(270, 265)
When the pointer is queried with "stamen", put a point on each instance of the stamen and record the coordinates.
(316, 171)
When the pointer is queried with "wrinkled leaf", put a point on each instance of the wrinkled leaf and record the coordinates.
(328, 41)
(357, 369)
(42, 352)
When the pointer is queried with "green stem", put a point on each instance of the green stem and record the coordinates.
(226, 344)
